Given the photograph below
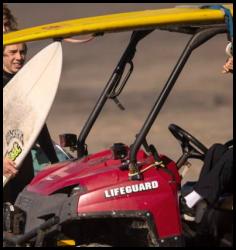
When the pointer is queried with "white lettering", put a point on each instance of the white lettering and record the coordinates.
(107, 195)
(141, 187)
(122, 190)
(148, 185)
(131, 189)
(154, 184)
(135, 188)
(116, 191)
(112, 192)
(128, 189)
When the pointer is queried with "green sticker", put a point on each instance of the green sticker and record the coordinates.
(14, 152)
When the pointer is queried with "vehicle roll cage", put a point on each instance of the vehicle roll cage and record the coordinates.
(114, 87)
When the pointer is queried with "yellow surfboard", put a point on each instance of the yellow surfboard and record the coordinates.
(159, 18)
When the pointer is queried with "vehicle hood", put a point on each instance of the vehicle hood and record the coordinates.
(99, 168)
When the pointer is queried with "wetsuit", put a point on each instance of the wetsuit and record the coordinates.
(216, 176)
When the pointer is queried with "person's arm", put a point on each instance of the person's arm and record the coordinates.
(228, 66)
(9, 168)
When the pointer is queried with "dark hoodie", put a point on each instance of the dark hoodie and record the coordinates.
(6, 78)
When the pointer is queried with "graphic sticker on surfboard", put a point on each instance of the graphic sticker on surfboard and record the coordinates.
(27, 100)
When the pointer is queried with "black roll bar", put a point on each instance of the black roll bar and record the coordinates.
(110, 89)
(200, 37)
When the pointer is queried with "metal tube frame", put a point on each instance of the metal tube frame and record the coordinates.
(200, 37)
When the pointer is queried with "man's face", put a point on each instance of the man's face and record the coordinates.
(14, 57)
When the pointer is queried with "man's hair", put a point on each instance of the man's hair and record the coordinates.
(26, 48)
(12, 23)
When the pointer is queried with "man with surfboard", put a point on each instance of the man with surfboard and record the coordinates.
(13, 60)
(9, 23)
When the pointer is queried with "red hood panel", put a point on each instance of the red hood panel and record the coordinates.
(94, 172)
(69, 173)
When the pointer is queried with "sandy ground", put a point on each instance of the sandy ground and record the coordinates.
(201, 102)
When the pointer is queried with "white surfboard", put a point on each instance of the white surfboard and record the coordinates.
(27, 100)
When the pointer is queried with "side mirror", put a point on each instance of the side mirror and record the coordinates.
(68, 140)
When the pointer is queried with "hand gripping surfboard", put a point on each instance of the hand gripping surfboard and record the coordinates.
(27, 100)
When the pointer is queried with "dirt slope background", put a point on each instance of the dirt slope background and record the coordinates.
(201, 101)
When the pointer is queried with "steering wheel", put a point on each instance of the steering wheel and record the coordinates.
(191, 147)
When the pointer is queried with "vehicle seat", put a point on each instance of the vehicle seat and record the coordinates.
(225, 202)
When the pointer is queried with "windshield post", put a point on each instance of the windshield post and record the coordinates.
(109, 89)
(195, 41)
